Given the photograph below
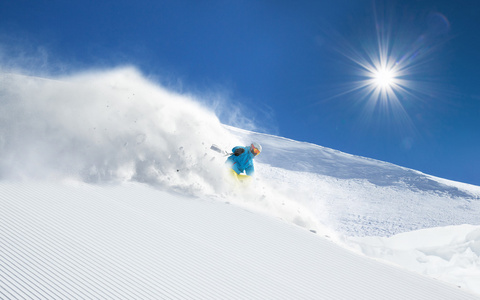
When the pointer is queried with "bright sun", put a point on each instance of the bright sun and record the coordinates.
(384, 78)
(385, 67)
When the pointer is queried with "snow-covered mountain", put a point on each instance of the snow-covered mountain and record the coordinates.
(109, 189)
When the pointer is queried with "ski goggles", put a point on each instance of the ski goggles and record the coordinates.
(254, 150)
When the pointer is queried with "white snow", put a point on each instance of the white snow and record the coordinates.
(108, 189)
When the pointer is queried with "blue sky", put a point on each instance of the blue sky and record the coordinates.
(304, 70)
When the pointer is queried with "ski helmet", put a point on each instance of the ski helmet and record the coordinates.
(255, 148)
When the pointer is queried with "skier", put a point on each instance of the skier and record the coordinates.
(242, 160)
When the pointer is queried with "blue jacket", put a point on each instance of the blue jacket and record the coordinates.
(243, 162)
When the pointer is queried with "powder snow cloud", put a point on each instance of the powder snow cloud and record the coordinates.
(105, 126)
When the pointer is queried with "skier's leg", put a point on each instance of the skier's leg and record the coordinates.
(234, 175)
(245, 179)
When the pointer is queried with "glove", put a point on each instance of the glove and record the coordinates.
(238, 151)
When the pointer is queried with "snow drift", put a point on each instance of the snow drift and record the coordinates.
(113, 127)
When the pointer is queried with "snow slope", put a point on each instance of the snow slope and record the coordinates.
(130, 241)
(108, 189)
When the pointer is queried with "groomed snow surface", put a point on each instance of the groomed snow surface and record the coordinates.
(109, 190)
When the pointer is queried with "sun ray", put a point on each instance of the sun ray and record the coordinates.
(389, 74)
